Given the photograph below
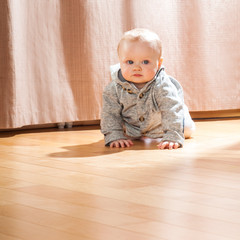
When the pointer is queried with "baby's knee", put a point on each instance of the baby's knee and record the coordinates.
(189, 129)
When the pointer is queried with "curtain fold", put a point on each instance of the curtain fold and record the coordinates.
(55, 55)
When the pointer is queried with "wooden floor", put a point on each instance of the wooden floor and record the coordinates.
(65, 185)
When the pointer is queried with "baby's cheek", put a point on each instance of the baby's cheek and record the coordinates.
(151, 73)
(125, 73)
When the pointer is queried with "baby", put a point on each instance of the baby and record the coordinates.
(142, 100)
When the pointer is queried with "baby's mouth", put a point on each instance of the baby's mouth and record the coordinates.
(137, 75)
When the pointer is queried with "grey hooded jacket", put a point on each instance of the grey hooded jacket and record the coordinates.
(155, 111)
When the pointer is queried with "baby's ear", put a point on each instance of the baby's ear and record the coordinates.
(160, 62)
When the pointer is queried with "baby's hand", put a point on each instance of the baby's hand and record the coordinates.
(121, 143)
(168, 145)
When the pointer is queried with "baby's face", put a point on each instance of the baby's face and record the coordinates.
(139, 62)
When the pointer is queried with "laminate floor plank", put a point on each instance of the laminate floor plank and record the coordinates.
(71, 230)
(6, 237)
(28, 231)
(171, 232)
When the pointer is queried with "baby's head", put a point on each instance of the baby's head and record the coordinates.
(142, 35)
(140, 55)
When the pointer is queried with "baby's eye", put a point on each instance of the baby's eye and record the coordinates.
(129, 62)
(145, 61)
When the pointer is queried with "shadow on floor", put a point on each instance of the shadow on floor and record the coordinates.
(98, 149)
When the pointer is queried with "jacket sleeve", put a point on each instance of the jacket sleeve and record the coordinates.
(111, 119)
(171, 107)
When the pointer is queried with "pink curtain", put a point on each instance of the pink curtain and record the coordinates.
(55, 55)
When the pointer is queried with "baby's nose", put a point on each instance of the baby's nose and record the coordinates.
(137, 67)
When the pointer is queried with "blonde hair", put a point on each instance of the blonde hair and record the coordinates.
(143, 35)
